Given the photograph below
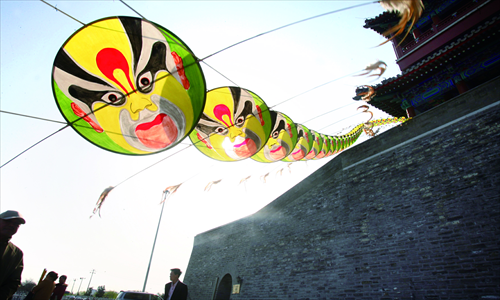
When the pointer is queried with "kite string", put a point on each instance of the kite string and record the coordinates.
(263, 33)
(287, 25)
(221, 74)
(33, 117)
(137, 173)
(133, 9)
(63, 12)
(61, 129)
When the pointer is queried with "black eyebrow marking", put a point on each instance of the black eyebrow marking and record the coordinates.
(64, 62)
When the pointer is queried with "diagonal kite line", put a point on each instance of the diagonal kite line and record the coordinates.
(284, 26)
(63, 12)
(61, 129)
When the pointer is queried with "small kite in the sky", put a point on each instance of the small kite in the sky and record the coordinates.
(263, 177)
(101, 199)
(368, 129)
(169, 191)
(244, 180)
(378, 65)
(209, 185)
(280, 171)
(366, 109)
(409, 10)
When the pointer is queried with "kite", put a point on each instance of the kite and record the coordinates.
(128, 85)
(316, 147)
(281, 141)
(280, 171)
(169, 191)
(235, 124)
(378, 65)
(209, 185)
(303, 145)
(263, 177)
(244, 180)
(101, 199)
(409, 10)
(332, 146)
(366, 110)
(325, 148)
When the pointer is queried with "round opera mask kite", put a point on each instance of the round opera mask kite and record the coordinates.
(325, 147)
(303, 145)
(235, 124)
(128, 85)
(281, 141)
(317, 145)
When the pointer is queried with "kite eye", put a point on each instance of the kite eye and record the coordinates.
(220, 130)
(113, 98)
(275, 135)
(240, 120)
(145, 82)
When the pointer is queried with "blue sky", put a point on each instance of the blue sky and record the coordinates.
(56, 184)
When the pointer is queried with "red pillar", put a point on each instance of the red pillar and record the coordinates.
(410, 112)
(462, 87)
(416, 33)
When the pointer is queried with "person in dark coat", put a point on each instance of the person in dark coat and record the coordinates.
(175, 290)
(58, 292)
(11, 257)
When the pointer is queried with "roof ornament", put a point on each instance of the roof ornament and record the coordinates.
(365, 93)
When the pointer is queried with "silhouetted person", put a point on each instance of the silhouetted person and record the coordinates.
(11, 259)
(44, 289)
(58, 292)
(175, 290)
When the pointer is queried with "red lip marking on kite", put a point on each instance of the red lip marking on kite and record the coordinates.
(311, 154)
(320, 155)
(159, 133)
(278, 153)
(298, 155)
(245, 149)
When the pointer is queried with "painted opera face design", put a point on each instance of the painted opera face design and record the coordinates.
(281, 141)
(325, 148)
(303, 145)
(129, 87)
(331, 146)
(316, 146)
(235, 124)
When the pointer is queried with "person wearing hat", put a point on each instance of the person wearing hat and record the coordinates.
(11, 260)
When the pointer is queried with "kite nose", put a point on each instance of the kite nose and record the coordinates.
(138, 103)
(235, 132)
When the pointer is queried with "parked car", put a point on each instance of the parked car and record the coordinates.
(131, 295)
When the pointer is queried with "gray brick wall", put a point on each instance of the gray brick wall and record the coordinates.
(410, 214)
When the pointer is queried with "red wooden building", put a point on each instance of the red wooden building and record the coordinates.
(453, 47)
